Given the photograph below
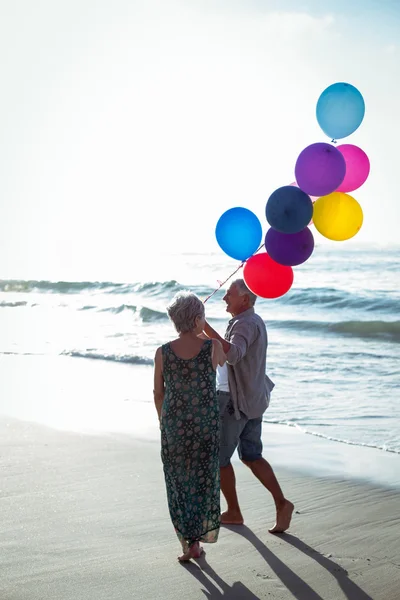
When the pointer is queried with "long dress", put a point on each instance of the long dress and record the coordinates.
(190, 445)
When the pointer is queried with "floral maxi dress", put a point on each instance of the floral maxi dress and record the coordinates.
(190, 445)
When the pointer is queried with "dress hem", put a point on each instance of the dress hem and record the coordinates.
(199, 538)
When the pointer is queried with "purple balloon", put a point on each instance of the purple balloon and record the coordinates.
(289, 249)
(320, 169)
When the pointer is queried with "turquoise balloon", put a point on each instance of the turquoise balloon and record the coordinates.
(340, 110)
(239, 233)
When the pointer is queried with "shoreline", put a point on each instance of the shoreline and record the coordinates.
(92, 397)
(86, 518)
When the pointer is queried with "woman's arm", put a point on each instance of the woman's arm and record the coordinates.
(159, 386)
(211, 333)
(217, 355)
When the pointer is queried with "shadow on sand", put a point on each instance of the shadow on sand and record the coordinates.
(216, 587)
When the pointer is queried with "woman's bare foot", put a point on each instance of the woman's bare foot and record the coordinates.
(195, 551)
(229, 517)
(283, 518)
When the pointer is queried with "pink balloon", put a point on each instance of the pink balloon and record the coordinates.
(357, 167)
(313, 198)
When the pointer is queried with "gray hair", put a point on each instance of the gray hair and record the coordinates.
(184, 310)
(243, 289)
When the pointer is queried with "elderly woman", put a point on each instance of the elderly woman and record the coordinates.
(187, 407)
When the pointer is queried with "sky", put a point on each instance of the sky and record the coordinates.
(129, 127)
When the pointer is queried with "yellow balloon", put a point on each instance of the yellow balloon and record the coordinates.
(337, 216)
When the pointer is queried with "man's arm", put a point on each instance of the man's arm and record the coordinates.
(243, 335)
(211, 333)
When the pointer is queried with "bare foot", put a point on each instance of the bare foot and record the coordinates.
(231, 518)
(283, 518)
(195, 551)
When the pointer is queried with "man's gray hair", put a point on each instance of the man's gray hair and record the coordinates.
(243, 289)
(183, 311)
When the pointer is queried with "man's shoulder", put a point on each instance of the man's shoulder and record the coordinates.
(246, 317)
(257, 316)
(247, 322)
(257, 320)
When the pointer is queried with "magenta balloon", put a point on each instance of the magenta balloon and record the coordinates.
(320, 169)
(357, 167)
(289, 249)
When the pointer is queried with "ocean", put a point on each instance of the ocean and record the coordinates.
(333, 348)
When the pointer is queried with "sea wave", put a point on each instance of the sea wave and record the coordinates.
(145, 313)
(155, 287)
(148, 315)
(119, 358)
(323, 297)
(384, 447)
(76, 287)
(388, 330)
(55, 287)
(151, 288)
(382, 330)
(119, 309)
(12, 304)
(337, 298)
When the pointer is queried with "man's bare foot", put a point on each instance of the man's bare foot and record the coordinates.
(229, 517)
(283, 518)
(195, 551)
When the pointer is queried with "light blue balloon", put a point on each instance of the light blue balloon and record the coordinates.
(340, 110)
(239, 233)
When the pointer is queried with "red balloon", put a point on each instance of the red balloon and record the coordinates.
(267, 278)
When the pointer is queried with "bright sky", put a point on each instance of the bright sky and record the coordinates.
(128, 127)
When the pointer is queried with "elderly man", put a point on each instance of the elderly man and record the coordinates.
(244, 391)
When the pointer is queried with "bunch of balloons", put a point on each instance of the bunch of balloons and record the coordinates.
(325, 174)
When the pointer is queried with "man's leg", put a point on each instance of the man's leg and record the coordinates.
(264, 472)
(250, 452)
(230, 432)
(233, 514)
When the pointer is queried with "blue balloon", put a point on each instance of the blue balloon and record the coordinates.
(289, 209)
(340, 110)
(239, 233)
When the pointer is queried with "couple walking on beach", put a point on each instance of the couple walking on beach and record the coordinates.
(210, 394)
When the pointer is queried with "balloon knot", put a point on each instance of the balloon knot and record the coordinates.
(334, 141)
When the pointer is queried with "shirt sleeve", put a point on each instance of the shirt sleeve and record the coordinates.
(242, 336)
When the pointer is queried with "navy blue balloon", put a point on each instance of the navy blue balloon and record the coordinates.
(289, 249)
(289, 209)
(239, 233)
(340, 110)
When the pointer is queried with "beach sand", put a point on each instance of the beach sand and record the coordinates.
(84, 517)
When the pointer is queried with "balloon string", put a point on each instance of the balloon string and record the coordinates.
(231, 275)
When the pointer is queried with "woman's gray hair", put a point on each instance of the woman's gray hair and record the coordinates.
(243, 289)
(184, 310)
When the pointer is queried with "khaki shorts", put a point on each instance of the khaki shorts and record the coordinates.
(243, 434)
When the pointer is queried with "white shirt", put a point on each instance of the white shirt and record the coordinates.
(222, 378)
